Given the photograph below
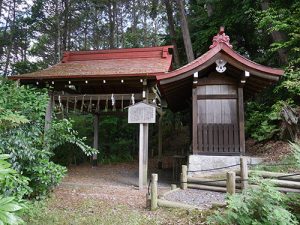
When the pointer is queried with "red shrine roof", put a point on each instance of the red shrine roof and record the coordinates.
(107, 63)
(176, 85)
(221, 48)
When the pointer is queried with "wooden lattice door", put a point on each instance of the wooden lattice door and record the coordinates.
(217, 118)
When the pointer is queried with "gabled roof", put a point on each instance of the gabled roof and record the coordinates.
(107, 63)
(176, 85)
(221, 50)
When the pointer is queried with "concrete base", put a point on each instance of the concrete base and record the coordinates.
(205, 162)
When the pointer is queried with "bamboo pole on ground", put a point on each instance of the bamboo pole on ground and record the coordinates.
(230, 183)
(154, 179)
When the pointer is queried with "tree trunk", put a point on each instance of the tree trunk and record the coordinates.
(11, 39)
(57, 42)
(1, 1)
(111, 16)
(185, 31)
(210, 9)
(277, 36)
(66, 24)
(172, 32)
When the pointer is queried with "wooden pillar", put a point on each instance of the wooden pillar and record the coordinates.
(154, 179)
(241, 120)
(183, 178)
(230, 183)
(195, 121)
(141, 156)
(244, 173)
(48, 116)
(160, 139)
(143, 145)
(96, 137)
(145, 153)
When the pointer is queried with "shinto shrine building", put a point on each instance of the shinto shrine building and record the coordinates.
(215, 85)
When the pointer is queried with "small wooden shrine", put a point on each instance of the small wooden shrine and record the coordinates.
(217, 84)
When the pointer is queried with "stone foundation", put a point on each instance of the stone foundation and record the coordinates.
(205, 162)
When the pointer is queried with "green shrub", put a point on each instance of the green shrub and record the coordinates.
(258, 205)
(22, 136)
(9, 206)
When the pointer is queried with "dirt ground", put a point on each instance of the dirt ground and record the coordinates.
(112, 187)
(117, 183)
(271, 150)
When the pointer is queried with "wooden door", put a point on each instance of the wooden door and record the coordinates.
(217, 118)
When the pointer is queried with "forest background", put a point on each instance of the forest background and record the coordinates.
(35, 33)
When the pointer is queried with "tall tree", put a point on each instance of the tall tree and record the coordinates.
(171, 26)
(185, 31)
(277, 36)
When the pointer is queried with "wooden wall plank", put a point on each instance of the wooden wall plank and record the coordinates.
(200, 138)
(210, 137)
(221, 138)
(241, 120)
(226, 132)
(230, 136)
(236, 138)
(216, 138)
(195, 121)
(205, 139)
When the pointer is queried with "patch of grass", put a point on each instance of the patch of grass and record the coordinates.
(289, 163)
(55, 211)
(85, 212)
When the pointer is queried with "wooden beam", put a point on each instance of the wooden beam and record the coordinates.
(195, 121)
(160, 139)
(241, 120)
(118, 97)
(216, 97)
(145, 154)
(96, 137)
(141, 156)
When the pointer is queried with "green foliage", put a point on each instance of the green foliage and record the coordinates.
(8, 209)
(283, 16)
(22, 137)
(262, 120)
(26, 67)
(9, 206)
(44, 176)
(296, 152)
(258, 205)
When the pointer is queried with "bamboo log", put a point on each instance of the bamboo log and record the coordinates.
(209, 182)
(170, 204)
(267, 174)
(286, 183)
(163, 196)
(206, 187)
(173, 186)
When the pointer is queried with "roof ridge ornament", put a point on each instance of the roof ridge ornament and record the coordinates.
(221, 37)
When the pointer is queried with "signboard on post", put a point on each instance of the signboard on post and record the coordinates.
(143, 114)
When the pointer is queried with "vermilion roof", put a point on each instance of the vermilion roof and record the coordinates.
(176, 85)
(222, 50)
(107, 63)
